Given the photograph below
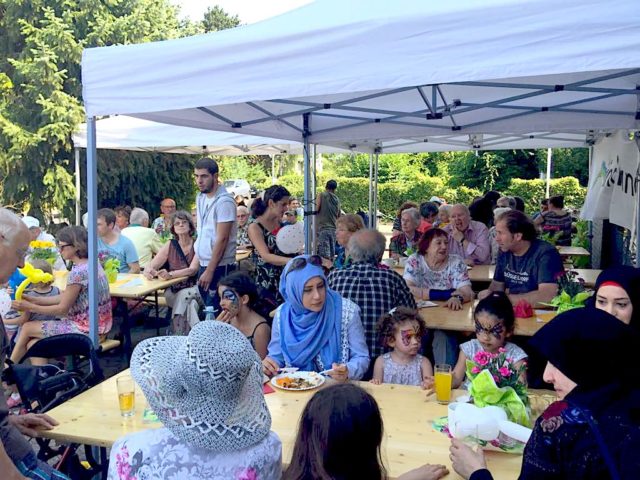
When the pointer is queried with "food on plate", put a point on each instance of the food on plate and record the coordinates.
(294, 383)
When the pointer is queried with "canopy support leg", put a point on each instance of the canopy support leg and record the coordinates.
(309, 206)
(92, 207)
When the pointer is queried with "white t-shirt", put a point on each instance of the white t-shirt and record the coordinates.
(211, 210)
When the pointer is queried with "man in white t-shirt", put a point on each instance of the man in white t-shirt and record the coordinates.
(217, 227)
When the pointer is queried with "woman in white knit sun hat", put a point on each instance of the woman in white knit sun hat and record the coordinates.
(206, 389)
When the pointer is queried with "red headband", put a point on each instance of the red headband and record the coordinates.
(611, 283)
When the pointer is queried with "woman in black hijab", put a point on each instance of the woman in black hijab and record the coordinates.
(593, 430)
(617, 291)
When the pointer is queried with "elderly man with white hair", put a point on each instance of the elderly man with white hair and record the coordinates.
(242, 215)
(38, 234)
(467, 238)
(17, 458)
(406, 242)
(145, 239)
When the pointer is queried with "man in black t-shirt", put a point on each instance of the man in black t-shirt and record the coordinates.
(526, 268)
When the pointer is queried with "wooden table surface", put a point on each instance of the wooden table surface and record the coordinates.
(484, 274)
(93, 418)
(579, 251)
(441, 318)
(128, 285)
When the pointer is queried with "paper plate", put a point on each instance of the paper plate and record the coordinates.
(311, 380)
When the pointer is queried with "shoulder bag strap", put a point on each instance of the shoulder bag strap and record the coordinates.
(178, 248)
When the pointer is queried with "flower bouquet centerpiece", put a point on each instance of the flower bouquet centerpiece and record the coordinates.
(110, 265)
(495, 381)
(43, 250)
(572, 292)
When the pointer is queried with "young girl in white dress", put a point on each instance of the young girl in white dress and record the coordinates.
(402, 329)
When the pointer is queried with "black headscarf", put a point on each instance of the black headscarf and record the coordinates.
(629, 279)
(597, 351)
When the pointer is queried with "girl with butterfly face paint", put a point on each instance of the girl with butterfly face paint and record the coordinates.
(494, 323)
(238, 297)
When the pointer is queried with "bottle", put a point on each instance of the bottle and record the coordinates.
(209, 313)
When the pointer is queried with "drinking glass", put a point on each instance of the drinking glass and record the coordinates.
(443, 380)
(126, 395)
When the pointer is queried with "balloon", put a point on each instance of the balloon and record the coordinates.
(290, 238)
(34, 275)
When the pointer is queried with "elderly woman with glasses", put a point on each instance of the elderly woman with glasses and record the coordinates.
(177, 258)
(242, 215)
(316, 329)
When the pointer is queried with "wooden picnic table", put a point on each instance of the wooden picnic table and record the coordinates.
(579, 251)
(441, 318)
(93, 418)
(484, 274)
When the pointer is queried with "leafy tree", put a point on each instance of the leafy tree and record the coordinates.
(40, 92)
(567, 162)
(215, 19)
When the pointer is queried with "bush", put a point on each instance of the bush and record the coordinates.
(533, 191)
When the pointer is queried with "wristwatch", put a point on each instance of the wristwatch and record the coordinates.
(458, 296)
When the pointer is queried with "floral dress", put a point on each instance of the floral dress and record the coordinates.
(267, 275)
(158, 455)
(455, 273)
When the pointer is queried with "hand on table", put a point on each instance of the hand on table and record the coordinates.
(164, 274)
(150, 273)
(428, 383)
(339, 372)
(425, 472)
(454, 303)
(269, 366)
(29, 423)
(375, 381)
(464, 460)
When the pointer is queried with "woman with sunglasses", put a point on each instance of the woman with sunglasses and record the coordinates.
(72, 304)
(315, 329)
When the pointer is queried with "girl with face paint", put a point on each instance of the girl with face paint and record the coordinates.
(494, 321)
(402, 330)
(238, 297)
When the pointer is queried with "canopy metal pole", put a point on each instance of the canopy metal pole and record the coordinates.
(375, 187)
(78, 173)
(309, 207)
(314, 238)
(549, 154)
(372, 212)
(92, 208)
(637, 141)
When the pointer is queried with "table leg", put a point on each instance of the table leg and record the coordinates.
(126, 330)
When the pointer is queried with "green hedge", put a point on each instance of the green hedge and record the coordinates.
(533, 191)
(354, 192)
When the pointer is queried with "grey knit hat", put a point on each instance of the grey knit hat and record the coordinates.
(206, 388)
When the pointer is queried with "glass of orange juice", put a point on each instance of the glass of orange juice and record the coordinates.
(442, 380)
(126, 395)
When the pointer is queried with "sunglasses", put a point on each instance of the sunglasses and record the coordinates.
(301, 262)
(62, 246)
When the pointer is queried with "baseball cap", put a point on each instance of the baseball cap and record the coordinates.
(31, 222)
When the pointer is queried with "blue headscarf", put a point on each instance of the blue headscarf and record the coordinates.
(305, 334)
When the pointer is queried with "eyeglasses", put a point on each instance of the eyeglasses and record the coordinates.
(61, 246)
(301, 262)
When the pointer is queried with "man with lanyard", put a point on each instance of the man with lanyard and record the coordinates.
(217, 227)
(18, 461)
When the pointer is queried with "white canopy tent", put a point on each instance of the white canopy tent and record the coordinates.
(369, 71)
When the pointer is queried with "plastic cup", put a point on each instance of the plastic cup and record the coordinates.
(126, 395)
(443, 379)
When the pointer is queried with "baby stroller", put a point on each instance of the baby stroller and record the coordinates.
(44, 387)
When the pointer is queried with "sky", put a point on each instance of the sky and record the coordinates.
(249, 11)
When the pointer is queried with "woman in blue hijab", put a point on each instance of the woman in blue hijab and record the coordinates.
(315, 329)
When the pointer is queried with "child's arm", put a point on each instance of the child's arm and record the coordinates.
(459, 371)
(378, 371)
(427, 373)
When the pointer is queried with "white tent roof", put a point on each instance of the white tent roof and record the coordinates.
(129, 133)
(370, 70)
(122, 132)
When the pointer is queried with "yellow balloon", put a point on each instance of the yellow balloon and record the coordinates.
(34, 275)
